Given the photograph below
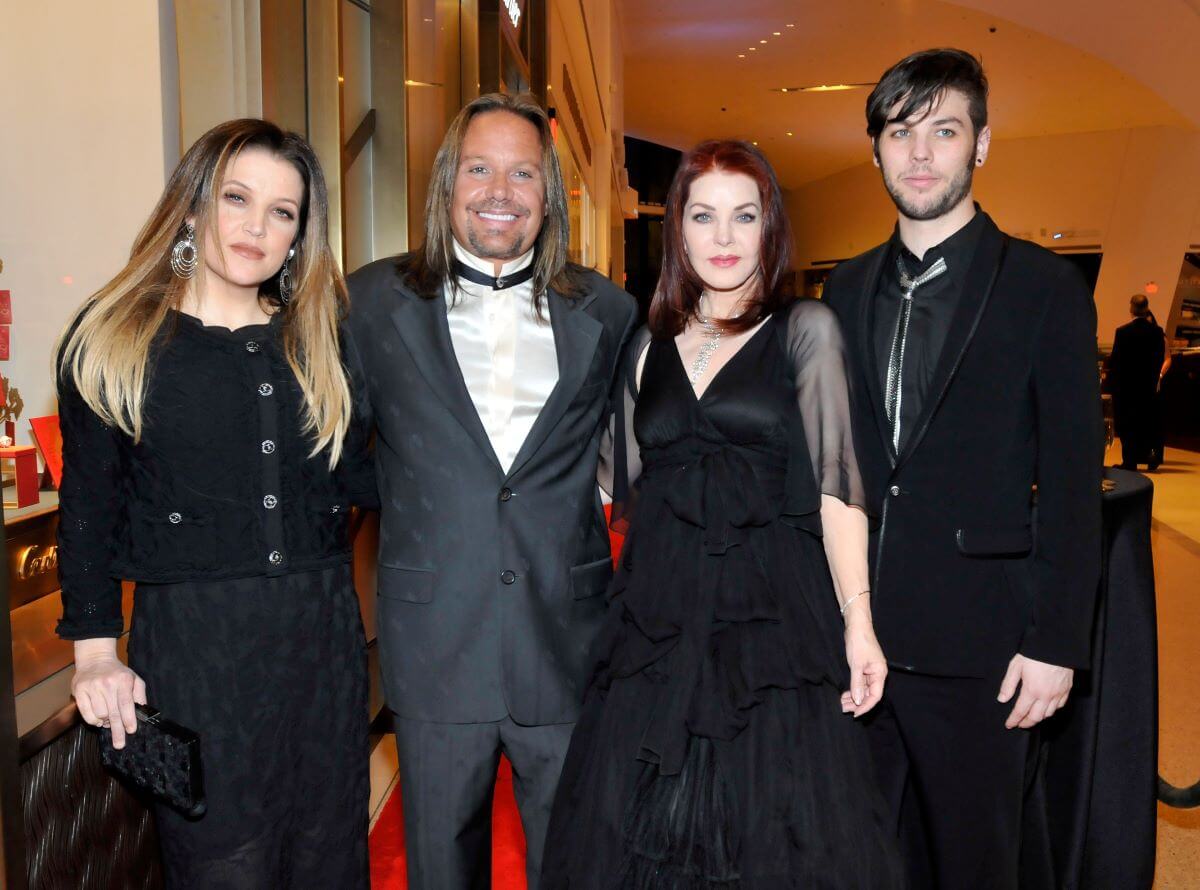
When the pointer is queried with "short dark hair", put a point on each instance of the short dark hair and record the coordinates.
(1139, 305)
(919, 82)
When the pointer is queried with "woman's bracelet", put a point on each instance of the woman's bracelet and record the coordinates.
(846, 605)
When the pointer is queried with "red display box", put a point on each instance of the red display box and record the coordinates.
(24, 458)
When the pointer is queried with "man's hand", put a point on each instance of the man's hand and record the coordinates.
(1044, 689)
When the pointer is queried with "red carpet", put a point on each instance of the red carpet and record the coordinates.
(508, 841)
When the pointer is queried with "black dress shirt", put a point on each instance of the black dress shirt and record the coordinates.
(221, 484)
(933, 308)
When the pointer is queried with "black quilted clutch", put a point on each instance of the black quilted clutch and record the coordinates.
(162, 758)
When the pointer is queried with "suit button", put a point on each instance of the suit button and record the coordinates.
(894, 491)
(508, 576)
(506, 494)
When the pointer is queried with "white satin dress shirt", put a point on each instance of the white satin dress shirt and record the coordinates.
(505, 351)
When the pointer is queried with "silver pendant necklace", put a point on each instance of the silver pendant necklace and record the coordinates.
(707, 348)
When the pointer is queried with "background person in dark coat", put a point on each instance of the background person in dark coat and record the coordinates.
(1135, 368)
(489, 361)
(973, 355)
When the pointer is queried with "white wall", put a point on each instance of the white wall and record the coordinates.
(82, 162)
(1134, 192)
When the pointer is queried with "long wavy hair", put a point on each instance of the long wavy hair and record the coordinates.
(106, 349)
(677, 298)
(431, 264)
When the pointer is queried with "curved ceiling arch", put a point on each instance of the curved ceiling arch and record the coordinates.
(1153, 41)
(694, 70)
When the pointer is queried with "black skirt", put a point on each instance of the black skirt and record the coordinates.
(271, 672)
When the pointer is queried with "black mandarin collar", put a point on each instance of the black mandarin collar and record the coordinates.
(956, 250)
(233, 340)
(475, 276)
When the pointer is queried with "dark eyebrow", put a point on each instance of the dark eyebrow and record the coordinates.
(710, 207)
(241, 184)
(913, 121)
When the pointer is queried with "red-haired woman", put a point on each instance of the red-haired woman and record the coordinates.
(714, 749)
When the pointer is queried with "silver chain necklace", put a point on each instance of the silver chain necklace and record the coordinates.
(707, 348)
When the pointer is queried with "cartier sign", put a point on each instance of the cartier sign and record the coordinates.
(36, 560)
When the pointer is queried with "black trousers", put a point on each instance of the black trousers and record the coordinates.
(956, 781)
(447, 776)
(1138, 448)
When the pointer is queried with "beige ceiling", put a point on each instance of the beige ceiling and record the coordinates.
(684, 81)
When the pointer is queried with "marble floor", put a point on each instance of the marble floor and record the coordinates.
(1176, 542)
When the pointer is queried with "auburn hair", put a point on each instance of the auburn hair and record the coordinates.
(677, 298)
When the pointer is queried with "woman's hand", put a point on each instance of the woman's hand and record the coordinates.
(868, 667)
(105, 689)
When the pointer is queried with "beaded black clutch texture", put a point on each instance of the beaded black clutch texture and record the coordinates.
(162, 758)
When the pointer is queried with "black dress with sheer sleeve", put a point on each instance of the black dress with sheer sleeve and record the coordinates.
(712, 751)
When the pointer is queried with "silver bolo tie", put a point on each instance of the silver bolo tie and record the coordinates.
(895, 369)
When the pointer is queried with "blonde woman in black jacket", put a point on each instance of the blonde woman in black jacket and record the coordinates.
(210, 454)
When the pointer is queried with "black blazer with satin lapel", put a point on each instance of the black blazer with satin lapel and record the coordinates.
(490, 583)
(966, 572)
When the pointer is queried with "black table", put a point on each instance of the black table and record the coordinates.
(1098, 805)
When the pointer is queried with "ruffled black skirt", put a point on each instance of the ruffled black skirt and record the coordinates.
(712, 752)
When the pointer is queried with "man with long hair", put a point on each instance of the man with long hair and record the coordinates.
(974, 358)
(489, 360)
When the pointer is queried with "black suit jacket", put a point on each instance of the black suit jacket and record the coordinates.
(490, 583)
(966, 571)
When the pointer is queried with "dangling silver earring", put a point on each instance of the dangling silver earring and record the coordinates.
(285, 279)
(184, 257)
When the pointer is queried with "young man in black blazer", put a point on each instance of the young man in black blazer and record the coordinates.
(975, 370)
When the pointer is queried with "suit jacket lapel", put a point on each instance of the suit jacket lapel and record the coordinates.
(422, 324)
(575, 337)
(866, 346)
(977, 291)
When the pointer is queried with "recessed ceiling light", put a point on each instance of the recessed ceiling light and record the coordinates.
(777, 33)
(754, 143)
(790, 133)
(741, 55)
(754, 49)
(823, 88)
(791, 25)
(762, 41)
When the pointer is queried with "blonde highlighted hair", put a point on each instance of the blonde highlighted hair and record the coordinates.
(105, 352)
